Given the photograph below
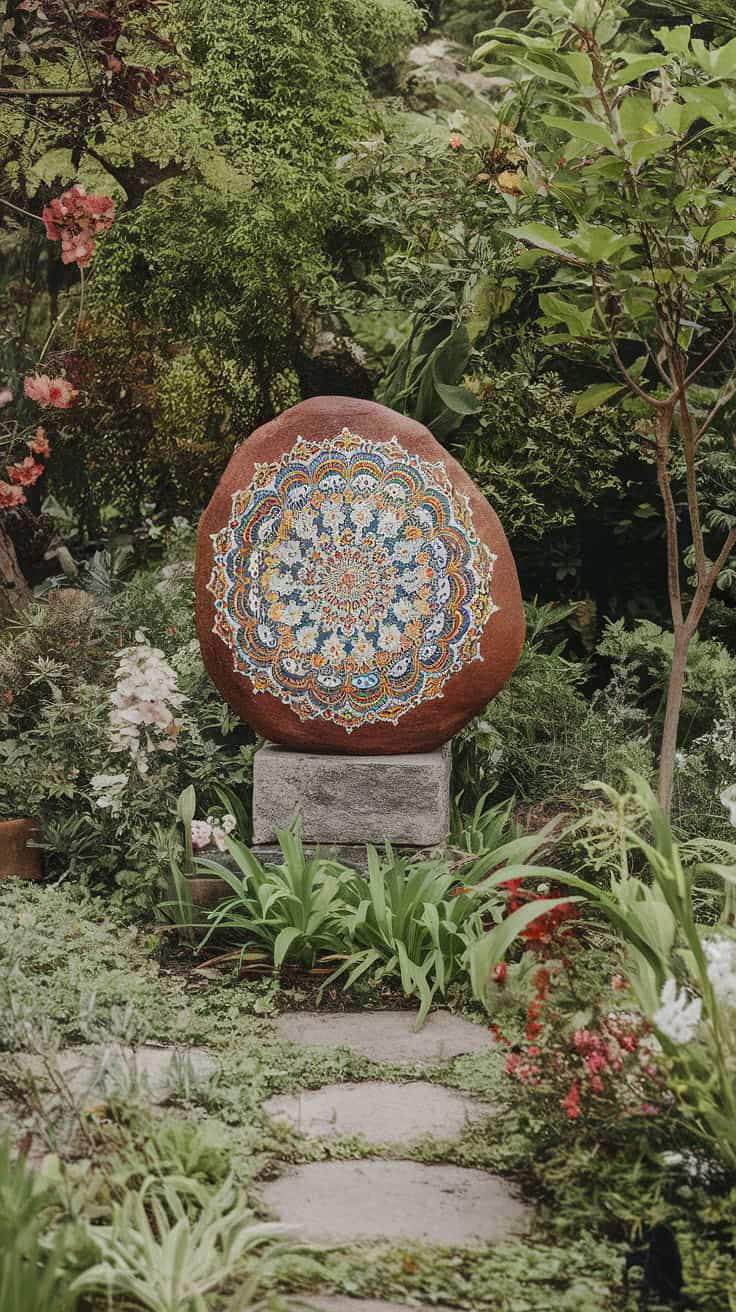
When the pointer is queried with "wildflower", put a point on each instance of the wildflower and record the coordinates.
(56, 392)
(499, 973)
(39, 444)
(728, 799)
(201, 834)
(26, 473)
(75, 219)
(10, 496)
(679, 1015)
(619, 982)
(221, 830)
(571, 1101)
(144, 701)
(456, 140)
(6, 396)
(720, 955)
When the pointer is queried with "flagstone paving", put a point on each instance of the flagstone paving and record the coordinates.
(336, 1202)
(379, 1112)
(387, 1036)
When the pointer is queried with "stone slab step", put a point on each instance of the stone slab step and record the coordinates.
(379, 1112)
(340, 1202)
(387, 1035)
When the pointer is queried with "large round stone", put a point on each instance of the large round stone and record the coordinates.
(355, 591)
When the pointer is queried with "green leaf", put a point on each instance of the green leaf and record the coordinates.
(457, 399)
(547, 239)
(583, 129)
(636, 68)
(284, 940)
(596, 395)
(676, 40)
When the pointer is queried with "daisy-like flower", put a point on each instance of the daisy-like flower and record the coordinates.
(403, 609)
(361, 514)
(388, 523)
(10, 496)
(333, 649)
(46, 391)
(363, 650)
(292, 614)
(26, 472)
(678, 1016)
(289, 553)
(389, 638)
(406, 551)
(306, 638)
(333, 515)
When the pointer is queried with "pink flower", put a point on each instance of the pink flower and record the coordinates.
(6, 396)
(571, 1101)
(456, 140)
(10, 496)
(75, 219)
(56, 392)
(26, 473)
(39, 444)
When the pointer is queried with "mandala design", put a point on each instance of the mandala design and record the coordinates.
(349, 581)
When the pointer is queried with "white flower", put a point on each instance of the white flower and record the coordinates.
(406, 551)
(144, 700)
(679, 1015)
(728, 799)
(363, 650)
(720, 954)
(361, 514)
(333, 649)
(403, 609)
(305, 524)
(279, 583)
(292, 614)
(389, 638)
(388, 523)
(333, 515)
(201, 833)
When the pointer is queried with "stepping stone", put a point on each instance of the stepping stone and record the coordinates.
(379, 1112)
(329, 1304)
(156, 1073)
(339, 1202)
(387, 1035)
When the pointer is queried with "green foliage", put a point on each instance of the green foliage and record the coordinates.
(540, 738)
(32, 1275)
(641, 657)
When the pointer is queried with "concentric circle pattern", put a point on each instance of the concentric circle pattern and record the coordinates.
(349, 582)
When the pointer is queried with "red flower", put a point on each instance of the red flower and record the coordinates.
(499, 973)
(56, 392)
(10, 496)
(39, 444)
(26, 473)
(456, 140)
(571, 1101)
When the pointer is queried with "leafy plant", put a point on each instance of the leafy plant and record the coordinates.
(634, 133)
(158, 1256)
(32, 1270)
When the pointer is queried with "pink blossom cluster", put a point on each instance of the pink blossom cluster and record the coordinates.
(75, 219)
(46, 391)
(206, 832)
(24, 473)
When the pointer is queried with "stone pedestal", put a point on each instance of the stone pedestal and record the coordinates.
(351, 800)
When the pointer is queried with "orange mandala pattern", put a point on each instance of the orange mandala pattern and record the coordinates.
(349, 581)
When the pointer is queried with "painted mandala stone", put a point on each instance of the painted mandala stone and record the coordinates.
(355, 592)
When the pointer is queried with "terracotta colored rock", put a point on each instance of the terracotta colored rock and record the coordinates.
(355, 591)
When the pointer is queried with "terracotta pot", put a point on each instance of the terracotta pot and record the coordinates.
(207, 893)
(17, 859)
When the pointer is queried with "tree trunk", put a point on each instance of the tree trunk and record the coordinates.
(13, 587)
(675, 688)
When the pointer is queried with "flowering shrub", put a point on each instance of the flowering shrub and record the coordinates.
(209, 832)
(606, 1068)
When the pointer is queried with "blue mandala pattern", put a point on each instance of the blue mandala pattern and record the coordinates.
(349, 581)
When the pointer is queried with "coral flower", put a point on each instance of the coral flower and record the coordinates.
(26, 473)
(75, 219)
(56, 392)
(571, 1102)
(39, 444)
(456, 140)
(10, 496)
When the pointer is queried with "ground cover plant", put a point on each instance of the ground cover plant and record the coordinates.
(517, 226)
